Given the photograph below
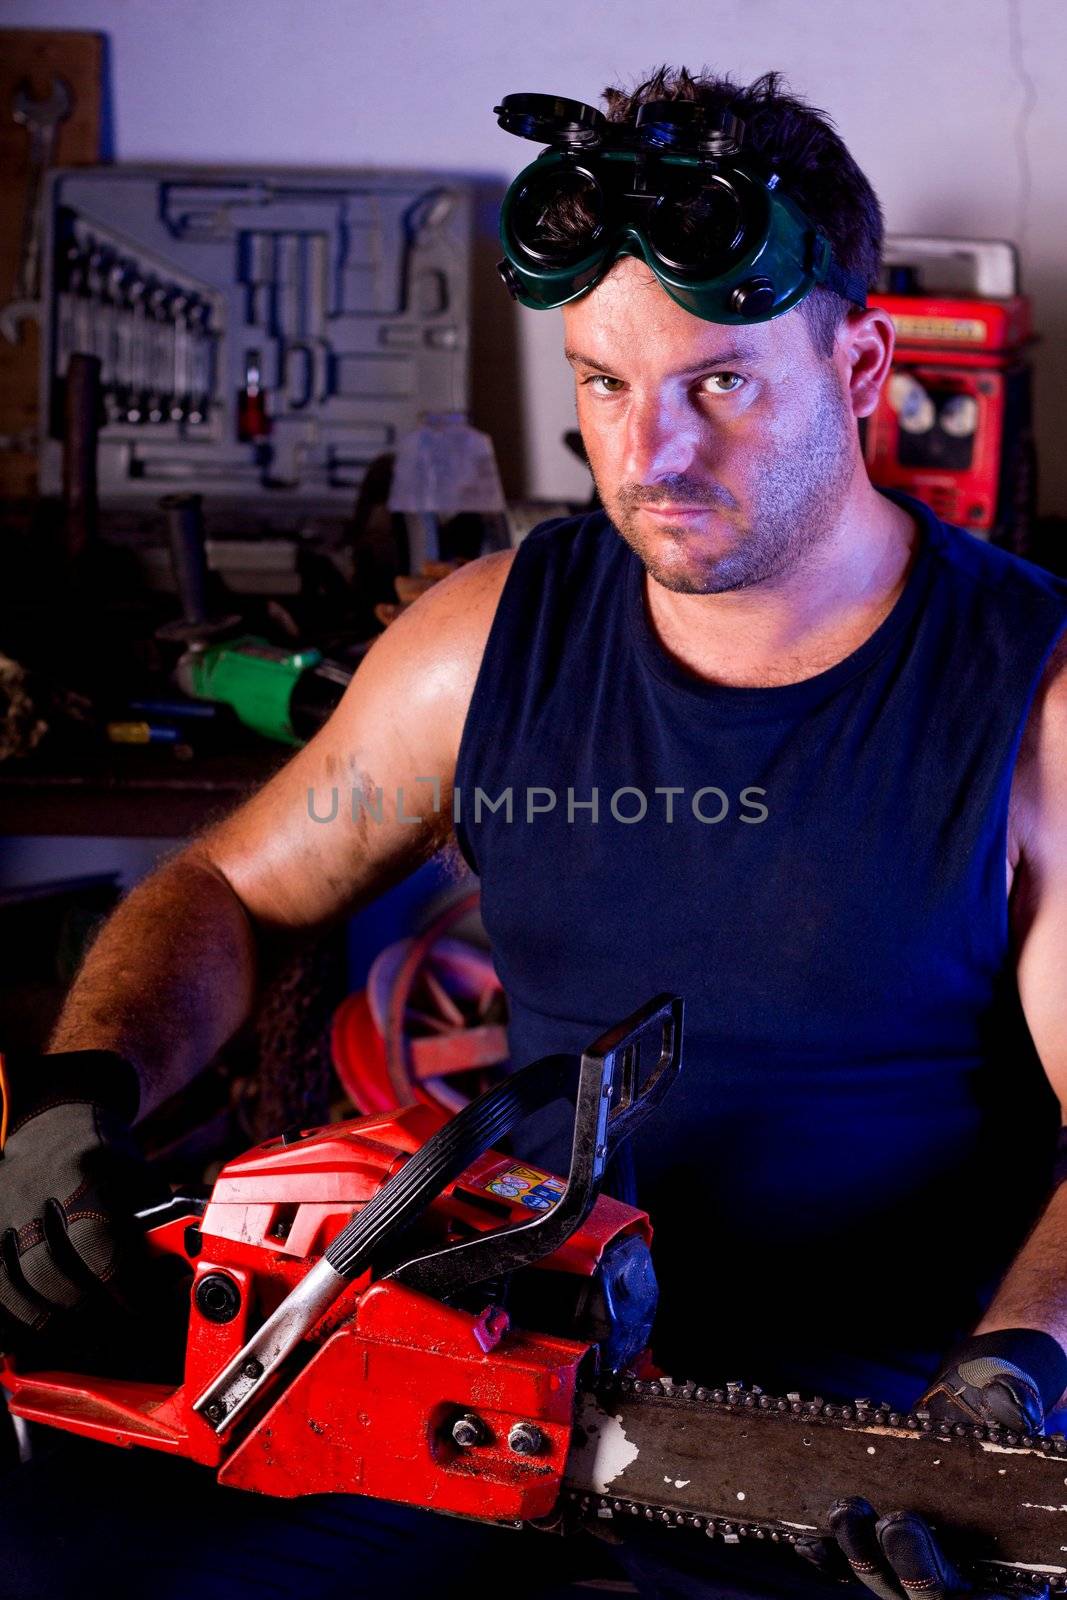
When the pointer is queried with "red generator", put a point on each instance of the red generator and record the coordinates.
(953, 425)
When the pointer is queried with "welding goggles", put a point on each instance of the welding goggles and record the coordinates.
(672, 188)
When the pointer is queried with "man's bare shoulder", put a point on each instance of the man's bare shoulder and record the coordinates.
(469, 595)
(1039, 786)
(463, 603)
(420, 673)
(437, 643)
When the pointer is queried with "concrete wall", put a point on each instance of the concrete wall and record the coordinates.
(955, 109)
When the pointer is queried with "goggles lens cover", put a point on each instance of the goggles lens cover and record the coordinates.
(557, 217)
(698, 223)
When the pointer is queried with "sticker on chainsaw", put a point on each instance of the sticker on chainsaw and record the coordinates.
(538, 1190)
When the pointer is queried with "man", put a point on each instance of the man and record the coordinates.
(789, 747)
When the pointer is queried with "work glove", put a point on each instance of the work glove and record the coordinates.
(895, 1557)
(71, 1179)
(1012, 1378)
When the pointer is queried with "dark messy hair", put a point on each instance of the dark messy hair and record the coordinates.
(804, 148)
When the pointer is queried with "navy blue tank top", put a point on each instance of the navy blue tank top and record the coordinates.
(862, 1131)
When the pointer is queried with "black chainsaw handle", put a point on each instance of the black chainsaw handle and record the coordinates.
(610, 1100)
(444, 1156)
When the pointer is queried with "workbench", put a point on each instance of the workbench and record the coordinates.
(130, 792)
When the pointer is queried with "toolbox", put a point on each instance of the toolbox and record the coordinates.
(262, 335)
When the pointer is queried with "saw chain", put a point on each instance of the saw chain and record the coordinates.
(736, 1464)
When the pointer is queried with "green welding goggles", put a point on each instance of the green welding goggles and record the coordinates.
(671, 188)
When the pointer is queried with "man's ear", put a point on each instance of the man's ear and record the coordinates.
(865, 342)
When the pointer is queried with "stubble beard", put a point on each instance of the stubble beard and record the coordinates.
(793, 506)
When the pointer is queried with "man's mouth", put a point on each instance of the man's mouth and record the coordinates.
(677, 513)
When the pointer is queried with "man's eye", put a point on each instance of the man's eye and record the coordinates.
(732, 381)
(724, 382)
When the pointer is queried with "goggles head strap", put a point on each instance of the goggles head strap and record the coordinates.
(848, 285)
(825, 270)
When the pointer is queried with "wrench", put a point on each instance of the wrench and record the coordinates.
(42, 119)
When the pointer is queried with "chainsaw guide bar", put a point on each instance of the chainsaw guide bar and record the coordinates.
(735, 1463)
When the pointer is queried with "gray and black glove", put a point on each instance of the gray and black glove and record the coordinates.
(895, 1557)
(1012, 1378)
(71, 1178)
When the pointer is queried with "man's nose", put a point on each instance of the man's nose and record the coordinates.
(661, 439)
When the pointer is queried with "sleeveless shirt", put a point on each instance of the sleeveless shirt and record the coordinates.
(862, 1131)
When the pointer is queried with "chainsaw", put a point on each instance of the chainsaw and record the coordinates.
(392, 1307)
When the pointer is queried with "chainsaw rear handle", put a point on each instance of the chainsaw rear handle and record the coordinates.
(610, 1101)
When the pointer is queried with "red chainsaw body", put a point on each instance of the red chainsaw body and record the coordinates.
(367, 1407)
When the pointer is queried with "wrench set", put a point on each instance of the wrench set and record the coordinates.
(340, 298)
(155, 335)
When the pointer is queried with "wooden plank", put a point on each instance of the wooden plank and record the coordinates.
(36, 56)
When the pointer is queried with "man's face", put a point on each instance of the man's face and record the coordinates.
(747, 427)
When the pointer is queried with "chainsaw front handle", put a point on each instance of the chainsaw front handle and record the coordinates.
(611, 1099)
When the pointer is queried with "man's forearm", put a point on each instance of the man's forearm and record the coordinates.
(168, 980)
(1033, 1293)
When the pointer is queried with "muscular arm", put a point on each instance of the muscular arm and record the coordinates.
(172, 974)
(1034, 1292)
(169, 978)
